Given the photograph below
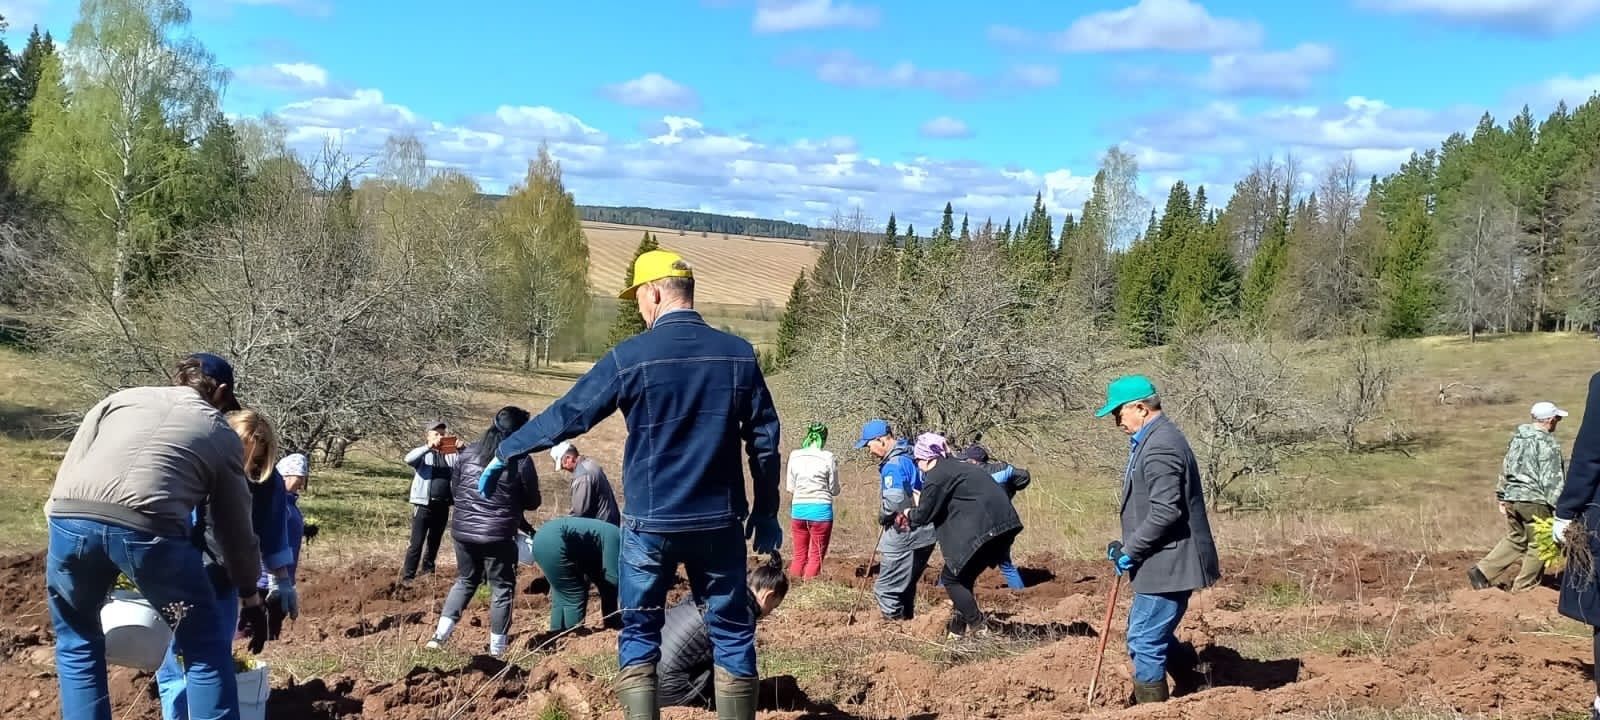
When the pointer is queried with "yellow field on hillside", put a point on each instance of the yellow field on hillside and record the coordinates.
(731, 271)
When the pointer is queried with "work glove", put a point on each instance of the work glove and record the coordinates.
(254, 619)
(1119, 558)
(764, 532)
(1559, 530)
(283, 590)
(489, 475)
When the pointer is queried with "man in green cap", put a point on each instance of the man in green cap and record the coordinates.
(1166, 539)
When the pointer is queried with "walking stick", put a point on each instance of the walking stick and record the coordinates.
(1105, 630)
(861, 587)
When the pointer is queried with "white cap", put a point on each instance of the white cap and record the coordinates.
(294, 465)
(1546, 410)
(560, 451)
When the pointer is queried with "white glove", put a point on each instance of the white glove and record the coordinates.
(1559, 529)
(283, 590)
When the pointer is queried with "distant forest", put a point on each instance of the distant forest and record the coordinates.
(695, 221)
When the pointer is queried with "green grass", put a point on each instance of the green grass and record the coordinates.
(603, 666)
(812, 595)
(804, 664)
(1293, 643)
(385, 661)
(1283, 594)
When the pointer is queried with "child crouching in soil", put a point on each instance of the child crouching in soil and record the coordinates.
(687, 665)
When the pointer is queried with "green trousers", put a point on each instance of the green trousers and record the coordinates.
(1515, 550)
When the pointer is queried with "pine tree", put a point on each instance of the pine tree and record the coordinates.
(1206, 284)
(628, 322)
(966, 236)
(1267, 268)
(790, 326)
(891, 237)
(910, 254)
(1004, 237)
(1410, 291)
(220, 173)
(944, 239)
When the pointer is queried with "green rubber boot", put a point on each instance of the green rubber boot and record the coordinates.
(1155, 692)
(636, 690)
(735, 696)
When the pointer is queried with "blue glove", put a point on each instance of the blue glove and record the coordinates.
(490, 473)
(768, 536)
(1119, 558)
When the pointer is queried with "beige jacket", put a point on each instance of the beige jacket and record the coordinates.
(145, 457)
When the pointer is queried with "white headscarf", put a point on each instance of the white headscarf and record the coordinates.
(294, 465)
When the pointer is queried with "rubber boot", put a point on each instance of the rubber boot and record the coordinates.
(1155, 692)
(636, 691)
(735, 696)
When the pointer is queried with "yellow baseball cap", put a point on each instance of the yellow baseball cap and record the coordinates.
(656, 265)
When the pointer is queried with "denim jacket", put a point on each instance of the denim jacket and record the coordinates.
(692, 396)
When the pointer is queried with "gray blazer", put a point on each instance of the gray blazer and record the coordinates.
(1164, 524)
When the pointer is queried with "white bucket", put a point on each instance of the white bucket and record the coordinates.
(136, 635)
(525, 548)
(254, 687)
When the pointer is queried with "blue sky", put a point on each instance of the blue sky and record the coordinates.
(795, 108)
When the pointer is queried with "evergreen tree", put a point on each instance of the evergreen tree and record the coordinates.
(910, 254)
(1267, 269)
(1410, 291)
(220, 175)
(791, 324)
(944, 239)
(1205, 287)
(1004, 236)
(966, 236)
(891, 237)
(628, 323)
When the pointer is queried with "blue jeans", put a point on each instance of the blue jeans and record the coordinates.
(714, 561)
(1152, 624)
(82, 564)
(171, 681)
(1008, 569)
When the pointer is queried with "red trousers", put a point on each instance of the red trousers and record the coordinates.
(810, 544)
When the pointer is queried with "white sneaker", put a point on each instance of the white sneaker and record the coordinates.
(498, 644)
(435, 644)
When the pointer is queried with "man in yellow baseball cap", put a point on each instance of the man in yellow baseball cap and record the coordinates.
(656, 265)
(697, 408)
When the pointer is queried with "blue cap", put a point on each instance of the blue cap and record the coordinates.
(214, 367)
(873, 430)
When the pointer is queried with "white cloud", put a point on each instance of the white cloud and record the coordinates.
(1033, 76)
(295, 77)
(680, 162)
(653, 90)
(1537, 17)
(1564, 87)
(945, 127)
(846, 69)
(1173, 25)
(1222, 138)
(1282, 72)
(781, 16)
(22, 15)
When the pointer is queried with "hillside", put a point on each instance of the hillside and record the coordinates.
(695, 222)
(730, 271)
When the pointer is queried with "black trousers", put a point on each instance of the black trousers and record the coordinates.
(965, 615)
(428, 523)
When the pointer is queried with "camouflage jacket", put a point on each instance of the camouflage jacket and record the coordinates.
(1533, 468)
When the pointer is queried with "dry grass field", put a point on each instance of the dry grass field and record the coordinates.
(735, 270)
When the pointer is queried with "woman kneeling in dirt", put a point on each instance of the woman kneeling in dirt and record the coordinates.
(686, 665)
(485, 527)
(973, 519)
(575, 552)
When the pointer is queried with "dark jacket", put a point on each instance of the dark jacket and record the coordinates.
(967, 509)
(1164, 522)
(269, 516)
(692, 396)
(480, 519)
(1580, 592)
(686, 663)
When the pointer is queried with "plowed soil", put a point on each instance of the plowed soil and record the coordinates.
(1303, 633)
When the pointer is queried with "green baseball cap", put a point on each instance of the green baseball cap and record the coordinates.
(1124, 390)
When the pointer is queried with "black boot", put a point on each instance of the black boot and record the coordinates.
(1189, 673)
(636, 691)
(1478, 579)
(1155, 692)
(735, 696)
